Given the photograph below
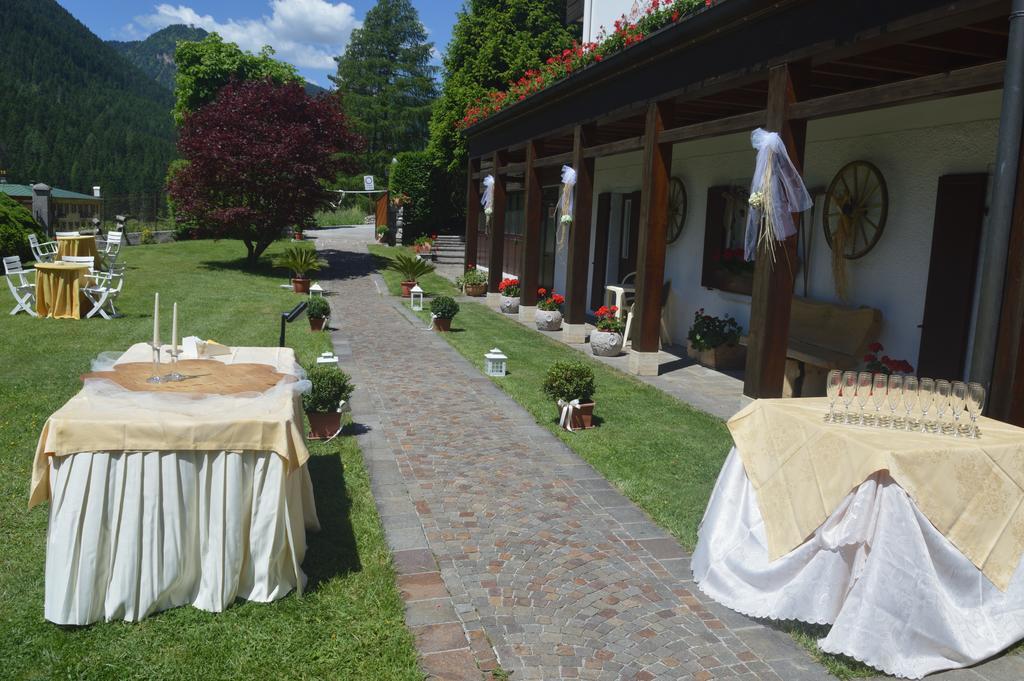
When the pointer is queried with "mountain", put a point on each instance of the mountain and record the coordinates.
(154, 56)
(76, 114)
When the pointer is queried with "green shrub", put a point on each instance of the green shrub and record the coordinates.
(444, 307)
(353, 215)
(570, 381)
(318, 308)
(409, 267)
(147, 236)
(300, 260)
(331, 385)
(16, 224)
(413, 174)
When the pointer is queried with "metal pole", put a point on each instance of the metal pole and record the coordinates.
(997, 231)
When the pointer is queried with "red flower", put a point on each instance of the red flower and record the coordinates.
(542, 292)
(558, 299)
(675, 15)
(707, 3)
(601, 311)
(875, 347)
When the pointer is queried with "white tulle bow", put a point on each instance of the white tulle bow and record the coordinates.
(565, 420)
(776, 192)
(487, 200)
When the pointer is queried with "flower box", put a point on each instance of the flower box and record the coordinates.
(721, 357)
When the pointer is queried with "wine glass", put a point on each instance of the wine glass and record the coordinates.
(926, 395)
(958, 401)
(864, 380)
(878, 394)
(909, 399)
(942, 389)
(832, 387)
(975, 404)
(849, 392)
(895, 394)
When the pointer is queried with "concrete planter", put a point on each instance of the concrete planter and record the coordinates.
(722, 357)
(509, 305)
(605, 343)
(548, 320)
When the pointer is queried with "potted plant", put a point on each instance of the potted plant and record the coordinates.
(382, 233)
(301, 260)
(509, 289)
(606, 340)
(714, 341)
(410, 269)
(549, 313)
(318, 310)
(322, 403)
(298, 234)
(473, 282)
(444, 308)
(571, 385)
(423, 244)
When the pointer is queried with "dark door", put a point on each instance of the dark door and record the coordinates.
(600, 262)
(959, 213)
(629, 234)
(548, 235)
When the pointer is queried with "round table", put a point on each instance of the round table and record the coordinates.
(59, 289)
(76, 245)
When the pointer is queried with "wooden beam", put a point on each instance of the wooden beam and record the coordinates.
(652, 243)
(616, 147)
(513, 168)
(533, 216)
(721, 126)
(495, 261)
(553, 160)
(772, 296)
(472, 213)
(971, 79)
(578, 265)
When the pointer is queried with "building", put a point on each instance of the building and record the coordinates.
(68, 210)
(906, 98)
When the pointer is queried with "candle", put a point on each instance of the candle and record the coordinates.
(174, 328)
(156, 321)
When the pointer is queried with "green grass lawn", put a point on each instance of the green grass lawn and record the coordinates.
(348, 625)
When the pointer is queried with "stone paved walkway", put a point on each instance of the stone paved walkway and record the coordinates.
(511, 550)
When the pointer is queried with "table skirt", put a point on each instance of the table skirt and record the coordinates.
(134, 533)
(898, 594)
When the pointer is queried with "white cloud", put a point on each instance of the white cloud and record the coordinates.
(306, 33)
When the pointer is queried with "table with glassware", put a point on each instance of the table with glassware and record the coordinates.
(80, 245)
(59, 289)
(169, 493)
(890, 509)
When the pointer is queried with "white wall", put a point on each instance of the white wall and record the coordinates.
(912, 145)
(603, 13)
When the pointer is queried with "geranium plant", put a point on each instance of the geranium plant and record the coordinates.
(509, 288)
(710, 332)
(549, 300)
(885, 364)
(732, 260)
(608, 321)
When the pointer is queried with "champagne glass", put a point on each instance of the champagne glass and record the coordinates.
(926, 395)
(958, 401)
(878, 394)
(832, 387)
(942, 389)
(975, 404)
(864, 380)
(895, 394)
(849, 392)
(909, 399)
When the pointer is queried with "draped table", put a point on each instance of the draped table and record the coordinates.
(59, 289)
(81, 245)
(190, 493)
(907, 543)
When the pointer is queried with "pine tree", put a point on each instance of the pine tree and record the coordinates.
(386, 83)
(493, 42)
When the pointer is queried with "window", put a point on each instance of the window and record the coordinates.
(514, 216)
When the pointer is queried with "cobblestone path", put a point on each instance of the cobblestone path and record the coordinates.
(510, 549)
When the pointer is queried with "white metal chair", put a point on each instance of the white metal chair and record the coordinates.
(42, 252)
(23, 290)
(103, 289)
(59, 234)
(112, 247)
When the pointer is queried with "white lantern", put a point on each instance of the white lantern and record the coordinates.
(496, 363)
(416, 298)
(327, 358)
(316, 290)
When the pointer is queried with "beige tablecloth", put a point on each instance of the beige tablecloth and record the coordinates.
(76, 245)
(801, 468)
(59, 289)
(104, 416)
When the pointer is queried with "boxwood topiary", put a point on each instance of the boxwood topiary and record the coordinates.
(444, 307)
(570, 381)
(331, 385)
(318, 308)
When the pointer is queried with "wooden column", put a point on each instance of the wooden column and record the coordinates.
(652, 242)
(533, 214)
(472, 212)
(578, 265)
(773, 283)
(497, 232)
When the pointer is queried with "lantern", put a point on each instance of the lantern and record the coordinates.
(327, 358)
(316, 290)
(496, 363)
(416, 298)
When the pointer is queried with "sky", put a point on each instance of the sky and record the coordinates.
(307, 33)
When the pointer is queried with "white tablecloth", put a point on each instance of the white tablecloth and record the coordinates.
(898, 594)
(133, 533)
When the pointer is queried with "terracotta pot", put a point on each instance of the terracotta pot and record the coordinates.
(722, 357)
(300, 285)
(548, 320)
(317, 323)
(582, 417)
(298, 236)
(605, 343)
(475, 290)
(323, 425)
(443, 324)
(509, 305)
(407, 288)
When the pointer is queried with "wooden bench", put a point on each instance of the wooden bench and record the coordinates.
(824, 336)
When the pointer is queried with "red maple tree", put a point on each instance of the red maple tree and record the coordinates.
(258, 160)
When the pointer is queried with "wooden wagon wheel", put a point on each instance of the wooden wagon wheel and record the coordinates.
(856, 208)
(677, 205)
